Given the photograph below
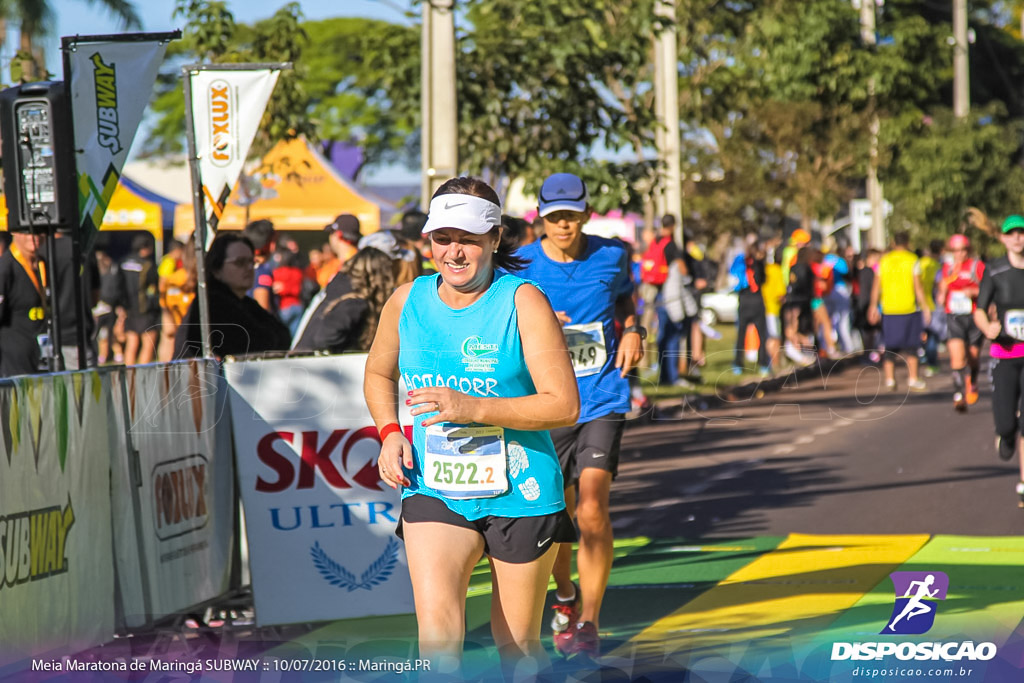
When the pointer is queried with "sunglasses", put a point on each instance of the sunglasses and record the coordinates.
(242, 262)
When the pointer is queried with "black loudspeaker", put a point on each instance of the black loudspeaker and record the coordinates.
(38, 158)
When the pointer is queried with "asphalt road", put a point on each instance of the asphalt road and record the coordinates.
(830, 454)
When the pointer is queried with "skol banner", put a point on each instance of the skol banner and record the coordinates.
(320, 523)
(227, 106)
(180, 485)
(110, 86)
(56, 555)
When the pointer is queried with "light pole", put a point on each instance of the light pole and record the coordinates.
(666, 98)
(961, 78)
(876, 233)
(439, 108)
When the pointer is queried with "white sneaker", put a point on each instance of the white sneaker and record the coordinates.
(890, 385)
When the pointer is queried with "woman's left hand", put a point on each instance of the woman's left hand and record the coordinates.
(450, 405)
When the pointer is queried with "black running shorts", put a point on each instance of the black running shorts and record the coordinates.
(963, 327)
(590, 444)
(516, 540)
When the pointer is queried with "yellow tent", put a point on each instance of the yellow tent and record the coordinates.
(296, 189)
(127, 211)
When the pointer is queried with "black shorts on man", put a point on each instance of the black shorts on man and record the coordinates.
(590, 444)
(963, 327)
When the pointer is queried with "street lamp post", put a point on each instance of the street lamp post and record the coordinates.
(666, 98)
(876, 233)
(439, 110)
(961, 78)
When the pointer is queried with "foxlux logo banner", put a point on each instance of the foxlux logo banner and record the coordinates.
(915, 607)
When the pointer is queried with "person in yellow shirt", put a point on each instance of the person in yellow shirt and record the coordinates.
(177, 285)
(931, 264)
(773, 291)
(897, 299)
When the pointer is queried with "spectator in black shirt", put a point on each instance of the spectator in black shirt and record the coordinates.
(345, 319)
(22, 306)
(238, 325)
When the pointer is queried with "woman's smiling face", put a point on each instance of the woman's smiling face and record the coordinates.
(464, 259)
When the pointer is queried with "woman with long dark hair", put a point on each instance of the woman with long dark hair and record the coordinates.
(238, 325)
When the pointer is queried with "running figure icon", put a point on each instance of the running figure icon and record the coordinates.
(916, 605)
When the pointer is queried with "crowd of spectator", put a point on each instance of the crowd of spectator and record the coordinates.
(795, 299)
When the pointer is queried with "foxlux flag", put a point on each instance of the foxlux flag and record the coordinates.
(227, 107)
(110, 86)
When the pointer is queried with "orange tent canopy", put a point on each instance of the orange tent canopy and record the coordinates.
(297, 189)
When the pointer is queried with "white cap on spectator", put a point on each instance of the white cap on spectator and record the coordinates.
(385, 241)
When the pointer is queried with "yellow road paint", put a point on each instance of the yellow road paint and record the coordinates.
(798, 588)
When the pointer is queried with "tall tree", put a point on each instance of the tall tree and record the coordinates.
(34, 16)
(213, 36)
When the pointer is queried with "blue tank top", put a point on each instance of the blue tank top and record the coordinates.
(586, 290)
(475, 350)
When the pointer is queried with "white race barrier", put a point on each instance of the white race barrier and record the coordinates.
(56, 548)
(319, 521)
(174, 494)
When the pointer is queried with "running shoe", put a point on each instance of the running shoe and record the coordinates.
(581, 639)
(959, 403)
(890, 385)
(971, 393)
(567, 612)
(917, 385)
(1005, 449)
(1020, 492)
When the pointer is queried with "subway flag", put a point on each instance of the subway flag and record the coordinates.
(111, 84)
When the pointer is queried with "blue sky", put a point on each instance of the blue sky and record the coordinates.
(84, 18)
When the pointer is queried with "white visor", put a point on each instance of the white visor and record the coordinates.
(462, 212)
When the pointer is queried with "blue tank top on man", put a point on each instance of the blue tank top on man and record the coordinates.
(586, 290)
(477, 350)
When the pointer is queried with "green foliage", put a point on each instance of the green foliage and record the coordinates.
(363, 81)
(776, 98)
(211, 27)
(351, 78)
(947, 165)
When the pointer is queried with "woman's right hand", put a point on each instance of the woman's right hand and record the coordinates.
(395, 453)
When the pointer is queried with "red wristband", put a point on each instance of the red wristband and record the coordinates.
(389, 429)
